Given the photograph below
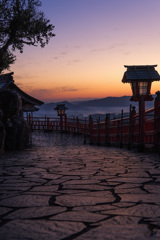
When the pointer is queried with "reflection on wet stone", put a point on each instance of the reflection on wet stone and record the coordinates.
(62, 189)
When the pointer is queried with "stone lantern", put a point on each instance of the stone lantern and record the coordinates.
(61, 108)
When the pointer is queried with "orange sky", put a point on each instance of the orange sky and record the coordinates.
(94, 40)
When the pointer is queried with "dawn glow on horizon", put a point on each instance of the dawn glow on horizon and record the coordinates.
(94, 40)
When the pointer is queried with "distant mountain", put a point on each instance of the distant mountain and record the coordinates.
(107, 102)
(96, 107)
(70, 106)
(48, 106)
(112, 102)
(51, 106)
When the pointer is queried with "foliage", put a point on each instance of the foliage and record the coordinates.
(21, 24)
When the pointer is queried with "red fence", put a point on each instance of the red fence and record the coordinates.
(122, 131)
(55, 124)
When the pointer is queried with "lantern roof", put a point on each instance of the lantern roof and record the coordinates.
(61, 107)
(140, 73)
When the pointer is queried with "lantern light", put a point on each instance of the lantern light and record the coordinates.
(61, 108)
(140, 78)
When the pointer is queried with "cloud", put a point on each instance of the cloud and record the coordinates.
(110, 47)
(116, 45)
(19, 79)
(64, 89)
(28, 87)
(51, 91)
(96, 50)
(127, 53)
(63, 53)
(55, 58)
(76, 60)
(77, 47)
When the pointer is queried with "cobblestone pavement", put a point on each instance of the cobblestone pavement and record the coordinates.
(62, 189)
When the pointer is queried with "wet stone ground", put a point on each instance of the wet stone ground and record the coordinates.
(62, 189)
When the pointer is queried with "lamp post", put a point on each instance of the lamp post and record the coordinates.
(140, 78)
(61, 108)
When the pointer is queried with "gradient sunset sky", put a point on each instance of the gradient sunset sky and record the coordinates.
(94, 40)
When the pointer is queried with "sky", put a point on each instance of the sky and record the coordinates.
(94, 40)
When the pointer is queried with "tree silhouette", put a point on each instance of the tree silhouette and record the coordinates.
(21, 24)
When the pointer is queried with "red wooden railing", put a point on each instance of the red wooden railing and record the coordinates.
(122, 131)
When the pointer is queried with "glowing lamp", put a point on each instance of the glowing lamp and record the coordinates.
(140, 78)
(61, 108)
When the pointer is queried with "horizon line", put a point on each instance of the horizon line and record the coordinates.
(80, 99)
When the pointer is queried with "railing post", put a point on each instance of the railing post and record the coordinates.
(132, 113)
(107, 124)
(98, 131)
(61, 123)
(141, 146)
(65, 122)
(121, 135)
(27, 117)
(90, 128)
(74, 123)
(157, 122)
(47, 124)
(30, 120)
(77, 124)
(118, 131)
(85, 132)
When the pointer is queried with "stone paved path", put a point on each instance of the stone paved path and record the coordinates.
(62, 189)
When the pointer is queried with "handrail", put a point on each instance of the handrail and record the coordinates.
(123, 131)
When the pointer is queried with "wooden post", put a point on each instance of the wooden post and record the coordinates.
(98, 131)
(30, 121)
(74, 124)
(130, 128)
(118, 130)
(107, 123)
(65, 122)
(90, 129)
(132, 113)
(121, 135)
(77, 124)
(61, 123)
(141, 145)
(85, 132)
(47, 124)
(29, 118)
(157, 122)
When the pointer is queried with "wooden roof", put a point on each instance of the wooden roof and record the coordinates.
(7, 82)
(140, 73)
